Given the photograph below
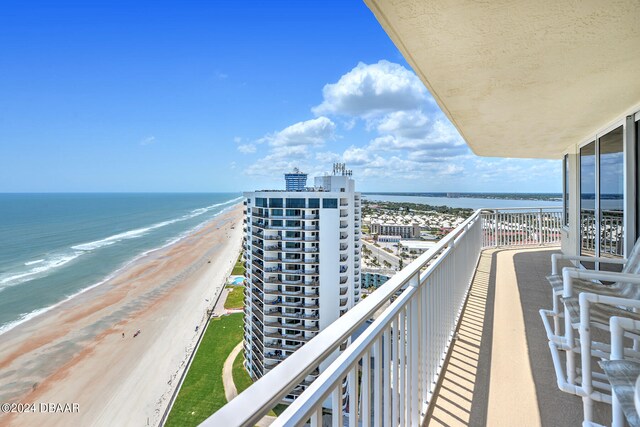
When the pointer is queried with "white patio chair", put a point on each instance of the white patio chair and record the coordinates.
(630, 266)
(623, 374)
(590, 309)
(602, 387)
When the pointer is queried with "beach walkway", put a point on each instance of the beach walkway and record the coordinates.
(230, 390)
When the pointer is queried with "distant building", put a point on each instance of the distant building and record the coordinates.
(296, 180)
(415, 247)
(375, 277)
(302, 251)
(406, 231)
(389, 239)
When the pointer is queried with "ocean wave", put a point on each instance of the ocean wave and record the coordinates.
(43, 266)
(139, 232)
(27, 316)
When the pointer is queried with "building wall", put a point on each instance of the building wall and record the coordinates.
(259, 349)
(329, 266)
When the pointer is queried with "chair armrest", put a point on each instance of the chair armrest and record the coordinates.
(618, 326)
(585, 300)
(556, 257)
(570, 273)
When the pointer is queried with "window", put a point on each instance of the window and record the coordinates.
(296, 203)
(330, 203)
(565, 187)
(588, 199)
(602, 196)
(261, 202)
(611, 199)
(314, 203)
(275, 203)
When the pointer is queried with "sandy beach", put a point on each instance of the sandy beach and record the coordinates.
(76, 354)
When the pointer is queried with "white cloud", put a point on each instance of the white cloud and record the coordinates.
(369, 89)
(247, 148)
(328, 157)
(356, 156)
(408, 124)
(148, 140)
(290, 147)
(313, 132)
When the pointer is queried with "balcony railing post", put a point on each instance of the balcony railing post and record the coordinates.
(414, 376)
(497, 229)
(540, 240)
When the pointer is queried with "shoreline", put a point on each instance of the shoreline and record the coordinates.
(75, 353)
(35, 313)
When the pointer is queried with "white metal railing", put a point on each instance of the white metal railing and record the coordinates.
(395, 362)
(521, 226)
(611, 232)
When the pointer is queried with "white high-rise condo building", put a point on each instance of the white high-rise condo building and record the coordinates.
(302, 251)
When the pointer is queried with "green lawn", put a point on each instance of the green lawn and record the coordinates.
(241, 378)
(238, 269)
(235, 298)
(202, 392)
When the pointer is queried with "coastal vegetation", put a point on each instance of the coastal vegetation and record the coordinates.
(202, 392)
(238, 269)
(505, 196)
(375, 208)
(235, 298)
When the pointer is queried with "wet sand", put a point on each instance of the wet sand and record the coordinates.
(76, 354)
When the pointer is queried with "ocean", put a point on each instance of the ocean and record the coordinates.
(54, 246)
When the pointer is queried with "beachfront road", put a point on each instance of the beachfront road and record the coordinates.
(382, 255)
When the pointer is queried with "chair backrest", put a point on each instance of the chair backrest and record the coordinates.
(632, 266)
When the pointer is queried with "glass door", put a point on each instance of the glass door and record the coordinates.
(588, 199)
(611, 194)
(602, 196)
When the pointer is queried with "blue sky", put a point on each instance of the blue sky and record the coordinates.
(208, 96)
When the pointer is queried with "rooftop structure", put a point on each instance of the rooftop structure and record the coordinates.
(296, 180)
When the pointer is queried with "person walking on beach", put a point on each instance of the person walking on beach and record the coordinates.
(123, 335)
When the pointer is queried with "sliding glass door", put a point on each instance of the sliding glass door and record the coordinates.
(588, 199)
(611, 162)
(602, 195)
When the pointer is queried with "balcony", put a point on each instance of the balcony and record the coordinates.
(487, 365)
(298, 326)
(279, 346)
(291, 337)
(278, 313)
(279, 303)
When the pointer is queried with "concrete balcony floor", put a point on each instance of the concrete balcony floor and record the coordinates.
(500, 372)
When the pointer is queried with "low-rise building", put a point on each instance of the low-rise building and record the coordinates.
(415, 247)
(375, 277)
(406, 231)
(389, 239)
